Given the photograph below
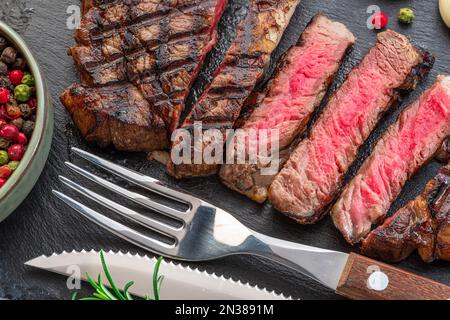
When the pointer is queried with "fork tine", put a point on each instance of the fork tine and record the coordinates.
(135, 177)
(119, 229)
(133, 196)
(153, 224)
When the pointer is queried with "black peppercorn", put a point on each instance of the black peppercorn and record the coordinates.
(27, 128)
(20, 64)
(26, 110)
(18, 123)
(3, 68)
(9, 55)
(4, 143)
(3, 43)
(5, 82)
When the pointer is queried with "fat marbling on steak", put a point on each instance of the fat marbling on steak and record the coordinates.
(258, 35)
(312, 177)
(423, 224)
(404, 148)
(157, 46)
(295, 91)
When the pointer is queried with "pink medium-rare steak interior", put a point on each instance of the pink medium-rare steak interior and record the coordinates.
(312, 177)
(296, 89)
(258, 34)
(404, 148)
(423, 224)
(306, 72)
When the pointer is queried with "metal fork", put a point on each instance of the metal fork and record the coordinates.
(206, 233)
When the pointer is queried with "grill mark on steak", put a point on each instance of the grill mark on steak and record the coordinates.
(258, 34)
(295, 91)
(117, 115)
(407, 145)
(169, 47)
(117, 16)
(423, 224)
(313, 175)
(157, 47)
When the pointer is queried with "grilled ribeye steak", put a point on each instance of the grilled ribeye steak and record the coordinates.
(443, 153)
(117, 115)
(258, 35)
(423, 224)
(157, 46)
(408, 144)
(312, 177)
(296, 89)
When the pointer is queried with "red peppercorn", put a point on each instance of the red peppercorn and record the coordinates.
(22, 139)
(32, 103)
(3, 123)
(16, 152)
(16, 77)
(9, 131)
(380, 20)
(5, 172)
(2, 182)
(4, 95)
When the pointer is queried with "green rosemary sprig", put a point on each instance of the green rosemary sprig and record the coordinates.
(103, 293)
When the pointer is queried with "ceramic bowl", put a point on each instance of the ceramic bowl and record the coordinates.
(25, 176)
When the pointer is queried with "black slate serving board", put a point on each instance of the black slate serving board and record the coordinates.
(42, 224)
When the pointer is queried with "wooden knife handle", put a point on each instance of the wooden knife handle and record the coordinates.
(364, 278)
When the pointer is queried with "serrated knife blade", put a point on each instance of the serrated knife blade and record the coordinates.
(180, 283)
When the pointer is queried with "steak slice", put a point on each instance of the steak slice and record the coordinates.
(443, 153)
(423, 224)
(312, 177)
(404, 148)
(158, 46)
(258, 34)
(295, 91)
(117, 115)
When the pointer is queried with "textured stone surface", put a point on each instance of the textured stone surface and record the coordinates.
(42, 225)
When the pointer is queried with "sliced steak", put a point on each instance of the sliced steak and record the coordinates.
(157, 46)
(258, 34)
(423, 224)
(312, 177)
(403, 149)
(116, 115)
(296, 89)
(443, 153)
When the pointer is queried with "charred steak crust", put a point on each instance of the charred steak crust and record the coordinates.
(156, 46)
(115, 115)
(405, 147)
(311, 179)
(423, 224)
(258, 34)
(443, 154)
(297, 87)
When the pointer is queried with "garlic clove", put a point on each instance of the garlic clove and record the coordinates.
(444, 8)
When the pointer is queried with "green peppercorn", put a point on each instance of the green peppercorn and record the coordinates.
(4, 158)
(28, 79)
(12, 165)
(22, 93)
(406, 15)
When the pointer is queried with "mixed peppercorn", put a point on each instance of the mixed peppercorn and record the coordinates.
(17, 109)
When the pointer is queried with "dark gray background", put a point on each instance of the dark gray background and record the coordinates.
(42, 224)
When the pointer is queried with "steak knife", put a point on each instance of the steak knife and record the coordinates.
(179, 283)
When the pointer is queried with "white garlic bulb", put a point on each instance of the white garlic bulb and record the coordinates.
(444, 7)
